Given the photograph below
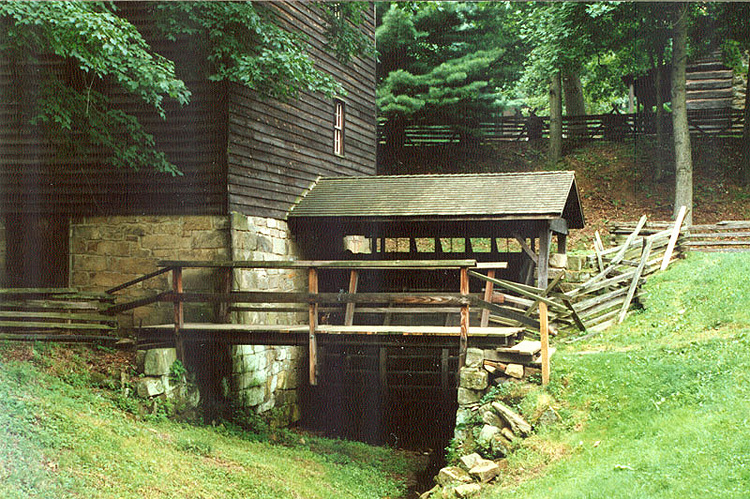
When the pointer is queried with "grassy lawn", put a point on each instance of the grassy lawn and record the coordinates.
(657, 407)
(65, 434)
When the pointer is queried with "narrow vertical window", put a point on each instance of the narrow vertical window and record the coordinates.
(338, 128)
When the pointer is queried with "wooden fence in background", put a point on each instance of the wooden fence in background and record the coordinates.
(714, 123)
(721, 236)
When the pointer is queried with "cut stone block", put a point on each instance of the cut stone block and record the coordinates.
(452, 474)
(558, 260)
(467, 490)
(149, 387)
(474, 357)
(157, 361)
(485, 471)
(473, 379)
(471, 460)
(468, 397)
(514, 371)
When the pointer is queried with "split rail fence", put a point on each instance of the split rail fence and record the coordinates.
(56, 314)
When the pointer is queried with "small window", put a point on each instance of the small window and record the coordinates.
(338, 129)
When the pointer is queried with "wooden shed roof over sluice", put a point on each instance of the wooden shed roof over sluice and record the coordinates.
(498, 197)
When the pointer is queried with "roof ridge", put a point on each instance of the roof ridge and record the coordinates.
(422, 175)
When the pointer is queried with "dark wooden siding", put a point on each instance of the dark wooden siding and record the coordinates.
(34, 179)
(278, 149)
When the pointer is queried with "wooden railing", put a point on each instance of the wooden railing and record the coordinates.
(313, 299)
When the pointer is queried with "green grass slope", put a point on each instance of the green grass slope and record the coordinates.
(64, 435)
(657, 407)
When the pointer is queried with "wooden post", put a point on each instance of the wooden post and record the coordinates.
(444, 357)
(353, 283)
(562, 243)
(312, 287)
(383, 369)
(543, 260)
(464, 340)
(223, 309)
(673, 238)
(544, 335)
(178, 313)
(488, 290)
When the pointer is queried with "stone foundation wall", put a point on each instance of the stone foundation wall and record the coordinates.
(265, 378)
(108, 251)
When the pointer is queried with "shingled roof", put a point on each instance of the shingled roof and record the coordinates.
(500, 196)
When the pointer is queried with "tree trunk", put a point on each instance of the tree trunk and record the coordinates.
(661, 133)
(745, 161)
(574, 102)
(683, 157)
(555, 119)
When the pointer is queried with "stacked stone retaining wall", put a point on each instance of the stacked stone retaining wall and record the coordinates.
(266, 377)
(108, 251)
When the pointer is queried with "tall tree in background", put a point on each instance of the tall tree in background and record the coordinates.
(683, 154)
(444, 63)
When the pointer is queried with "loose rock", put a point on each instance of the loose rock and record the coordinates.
(452, 474)
(467, 490)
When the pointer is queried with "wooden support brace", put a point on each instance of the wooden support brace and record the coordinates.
(353, 283)
(636, 279)
(673, 237)
(223, 307)
(526, 249)
(598, 249)
(544, 337)
(545, 238)
(488, 292)
(312, 287)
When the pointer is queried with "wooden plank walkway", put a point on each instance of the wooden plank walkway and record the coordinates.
(298, 335)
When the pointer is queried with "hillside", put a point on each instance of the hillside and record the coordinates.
(655, 407)
(70, 428)
(614, 179)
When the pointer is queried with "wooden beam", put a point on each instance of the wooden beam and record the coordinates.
(598, 249)
(673, 237)
(312, 287)
(545, 236)
(544, 337)
(488, 292)
(226, 284)
(463, 341)
(526, 249)
(634, 282)
(559, 226)
(444, 299)
(328, 264)
(353, 283)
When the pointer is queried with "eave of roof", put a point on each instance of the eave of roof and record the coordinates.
(498, 196)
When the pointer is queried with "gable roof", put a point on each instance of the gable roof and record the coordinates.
(501, 196)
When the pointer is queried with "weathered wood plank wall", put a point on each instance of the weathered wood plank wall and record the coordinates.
(36, 178)
(277, 149)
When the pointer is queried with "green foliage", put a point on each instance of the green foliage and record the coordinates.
(246, 45)
(242, 43)
(444, 63)
(177, 371)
